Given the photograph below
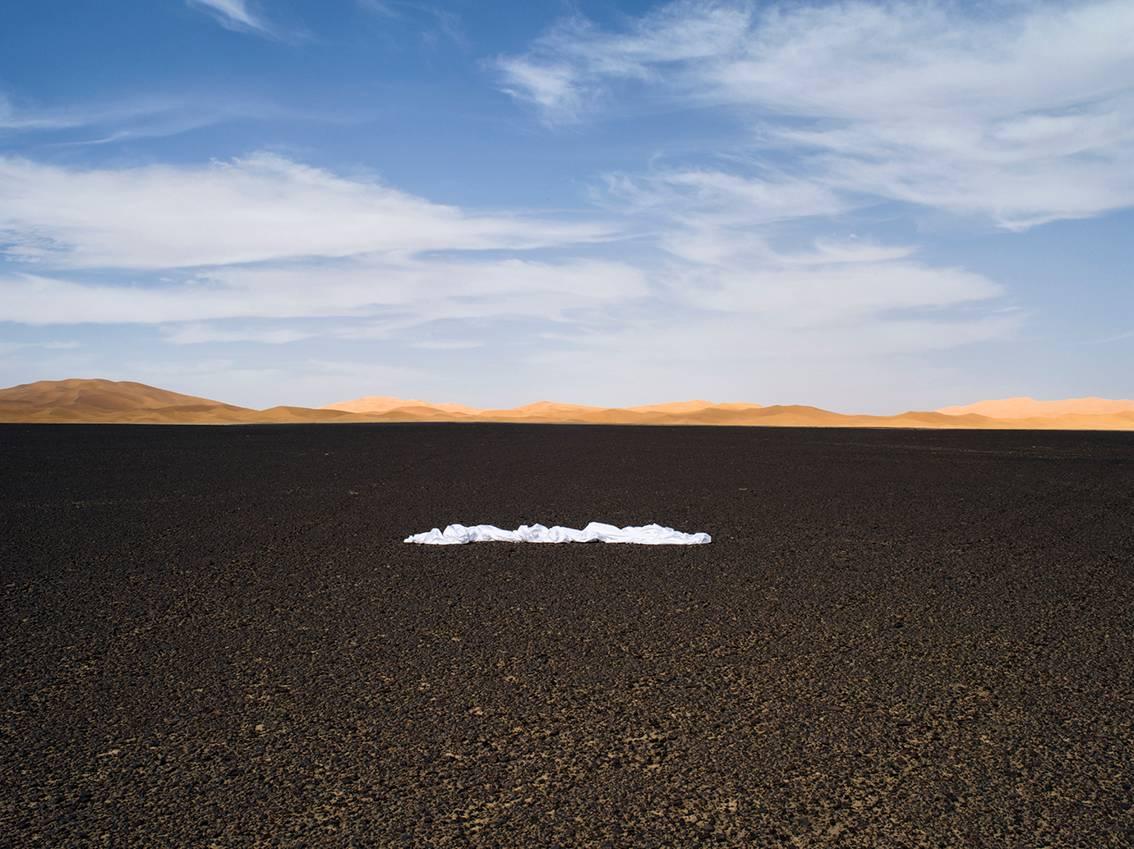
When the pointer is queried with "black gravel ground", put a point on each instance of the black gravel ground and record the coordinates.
(215, 637)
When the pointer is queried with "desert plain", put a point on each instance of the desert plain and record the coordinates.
(897, 638)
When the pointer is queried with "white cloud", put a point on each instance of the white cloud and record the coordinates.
(137, 118)
(434, 20)
(1023, 113)
(17, 120)
(828, 295)
(447, 345)
(202, 334)
(747, 200)
(259, 208)
(873, 364)
(565, 70)
(417, 290)
(552, 87)
(833, 252)
(705, 216)
(235, 15)
(127, 119)
(309, 381)
(265, 238)
(62, 345)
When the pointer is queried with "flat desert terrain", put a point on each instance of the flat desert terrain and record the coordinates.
(214, 636)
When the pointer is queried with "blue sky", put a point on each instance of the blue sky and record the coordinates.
(865, 206)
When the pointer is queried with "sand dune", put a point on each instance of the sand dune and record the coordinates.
(96, 394)
(542, 409)
(94, 400)
(673, 407)
(1030, 408)
(683, 407)
(387, 403)
(423, 412)
(107, 401)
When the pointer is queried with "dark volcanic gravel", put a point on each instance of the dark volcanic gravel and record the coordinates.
(214, 636)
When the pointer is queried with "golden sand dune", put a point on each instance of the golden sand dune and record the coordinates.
(675, 407)
(542, 409)
(1030, 408)
(95, 394)
(678, 408)
(83, 400)
(423, 412)
(100, 401)
(387, 403)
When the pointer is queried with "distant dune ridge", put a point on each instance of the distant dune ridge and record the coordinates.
(385, 403)
(1030, 408)
(107, 401)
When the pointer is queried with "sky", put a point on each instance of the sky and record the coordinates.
(866, 206)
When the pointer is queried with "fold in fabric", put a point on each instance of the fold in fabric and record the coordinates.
(594, 532)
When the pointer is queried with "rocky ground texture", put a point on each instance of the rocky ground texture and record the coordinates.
(214, 636)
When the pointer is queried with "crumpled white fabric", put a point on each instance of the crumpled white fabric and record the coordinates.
(594, 532)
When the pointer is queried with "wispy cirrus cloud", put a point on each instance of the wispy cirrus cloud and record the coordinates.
(424, 289)
(267, 238)
(145, 117)
(152, 116)
(13, 120)
(568, 70)
(256, 209)
(1021, 113)
(433, 20)
(51, 345)
(196, 333)
(317, 379)
(236, 15)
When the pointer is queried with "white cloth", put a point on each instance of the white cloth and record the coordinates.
(594, 532)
